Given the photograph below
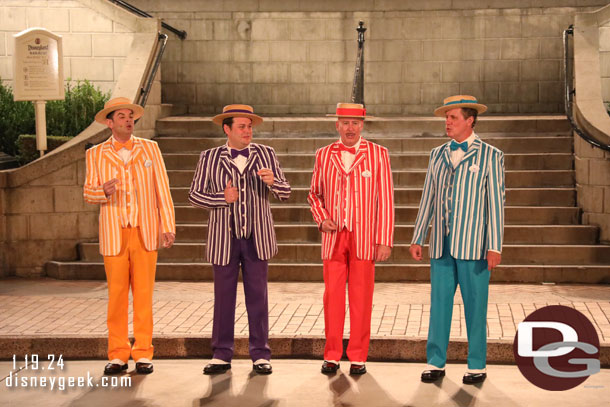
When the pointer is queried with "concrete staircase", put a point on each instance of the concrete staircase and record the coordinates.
(544, 241)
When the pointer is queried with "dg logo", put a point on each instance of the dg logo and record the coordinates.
(557, 348)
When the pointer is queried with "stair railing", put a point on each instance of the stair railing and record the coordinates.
(570, 91)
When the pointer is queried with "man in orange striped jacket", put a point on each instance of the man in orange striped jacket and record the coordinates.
(126, 175)
(352, 201)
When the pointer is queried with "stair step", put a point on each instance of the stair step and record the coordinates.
(310, 252)
(530, 215)
(412, 196)
(513, 234)
(512, 145)
(384, 272)
(199, 125)
(399, 161)
(413, 178)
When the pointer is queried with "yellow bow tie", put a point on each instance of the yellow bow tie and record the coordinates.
(118, 145)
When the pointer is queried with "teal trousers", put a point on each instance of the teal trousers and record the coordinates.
(473, 277)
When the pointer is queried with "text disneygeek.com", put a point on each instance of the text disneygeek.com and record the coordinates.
(29, 375)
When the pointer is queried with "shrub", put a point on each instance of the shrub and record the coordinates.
(26, 144)
(65, 118)
(15, 118)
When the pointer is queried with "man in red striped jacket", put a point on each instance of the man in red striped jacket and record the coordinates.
(352, 201)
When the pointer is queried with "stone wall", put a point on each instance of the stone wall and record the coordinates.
(592, 164)
(95, 46)
(298, 57)
(42, 212)
(604, 58)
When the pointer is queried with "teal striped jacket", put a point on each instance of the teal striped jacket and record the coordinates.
(477, 202)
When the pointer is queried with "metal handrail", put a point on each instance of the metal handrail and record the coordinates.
(358, 84)
(145, 90)
(180, 33)
(570, 91)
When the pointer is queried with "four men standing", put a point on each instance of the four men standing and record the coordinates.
(352, 202)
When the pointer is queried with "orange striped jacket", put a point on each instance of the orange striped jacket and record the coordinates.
(371, 196)
(144, 176)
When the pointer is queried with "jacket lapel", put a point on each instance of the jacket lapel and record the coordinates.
(136, 152)
(335, 157)
(225, 160)
(472, 152)
(253, 159)
(445, 155)
(112, 155)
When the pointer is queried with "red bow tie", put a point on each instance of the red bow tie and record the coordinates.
(351, 150)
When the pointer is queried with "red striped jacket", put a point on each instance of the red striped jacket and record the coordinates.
(371, 195)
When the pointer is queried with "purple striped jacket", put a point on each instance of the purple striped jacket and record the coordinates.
(213, 172)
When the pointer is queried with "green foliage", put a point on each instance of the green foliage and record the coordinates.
(26, 143)
(65, 118)
(15, 118)
(75, 113)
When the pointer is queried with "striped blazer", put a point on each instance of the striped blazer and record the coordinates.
(372, 196)
(146, 170)
(213, 172)
(478, 202)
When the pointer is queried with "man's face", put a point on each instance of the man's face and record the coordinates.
(121, 124)
(456, 126)
(240, 133)
(349, 130)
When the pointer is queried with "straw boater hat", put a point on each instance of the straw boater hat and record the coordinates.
(237, 111)
(117, 104)
(454, 102)
(354, 110)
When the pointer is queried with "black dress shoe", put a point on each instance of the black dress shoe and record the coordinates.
(144, 368)
(430, 376)
(212, 368)
(114, 368)
(263, 368)
(329, 367)
(357, 369)
(474, 378)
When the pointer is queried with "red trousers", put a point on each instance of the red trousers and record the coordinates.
(344, 267)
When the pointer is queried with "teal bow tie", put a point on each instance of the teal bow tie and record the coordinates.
(455, 145)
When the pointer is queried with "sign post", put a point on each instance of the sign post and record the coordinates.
(38, 70)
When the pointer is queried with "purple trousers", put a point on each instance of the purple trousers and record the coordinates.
(254, 275)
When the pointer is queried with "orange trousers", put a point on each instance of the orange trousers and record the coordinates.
(134, 266)
(344, 267)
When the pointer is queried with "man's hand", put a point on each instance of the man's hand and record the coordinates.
(110, 187)
(168, 239)
(328, 226)
(383, 252)
(493, 259)
(231, 194)
(266, 175)
(416, 252)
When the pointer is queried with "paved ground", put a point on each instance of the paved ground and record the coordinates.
(50, 308)
(293, 383)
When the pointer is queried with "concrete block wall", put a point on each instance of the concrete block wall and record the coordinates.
(95, 46)
(604, 59)
(593, 185)
(299, 57)
(42, 212)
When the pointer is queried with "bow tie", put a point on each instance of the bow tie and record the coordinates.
(118, 145)
(455, 145)
(235, 153)
(343, 147)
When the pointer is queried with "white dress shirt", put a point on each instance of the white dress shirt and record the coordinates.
(240, 160)
(348, 158)
(457, 155)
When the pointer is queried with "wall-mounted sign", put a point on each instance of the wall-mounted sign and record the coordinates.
(38, 68)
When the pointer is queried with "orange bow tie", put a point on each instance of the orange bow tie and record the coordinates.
(118, 145)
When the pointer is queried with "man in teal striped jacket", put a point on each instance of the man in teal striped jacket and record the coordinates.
(464, 197)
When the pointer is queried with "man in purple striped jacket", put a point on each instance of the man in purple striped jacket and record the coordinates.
(233, 182)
